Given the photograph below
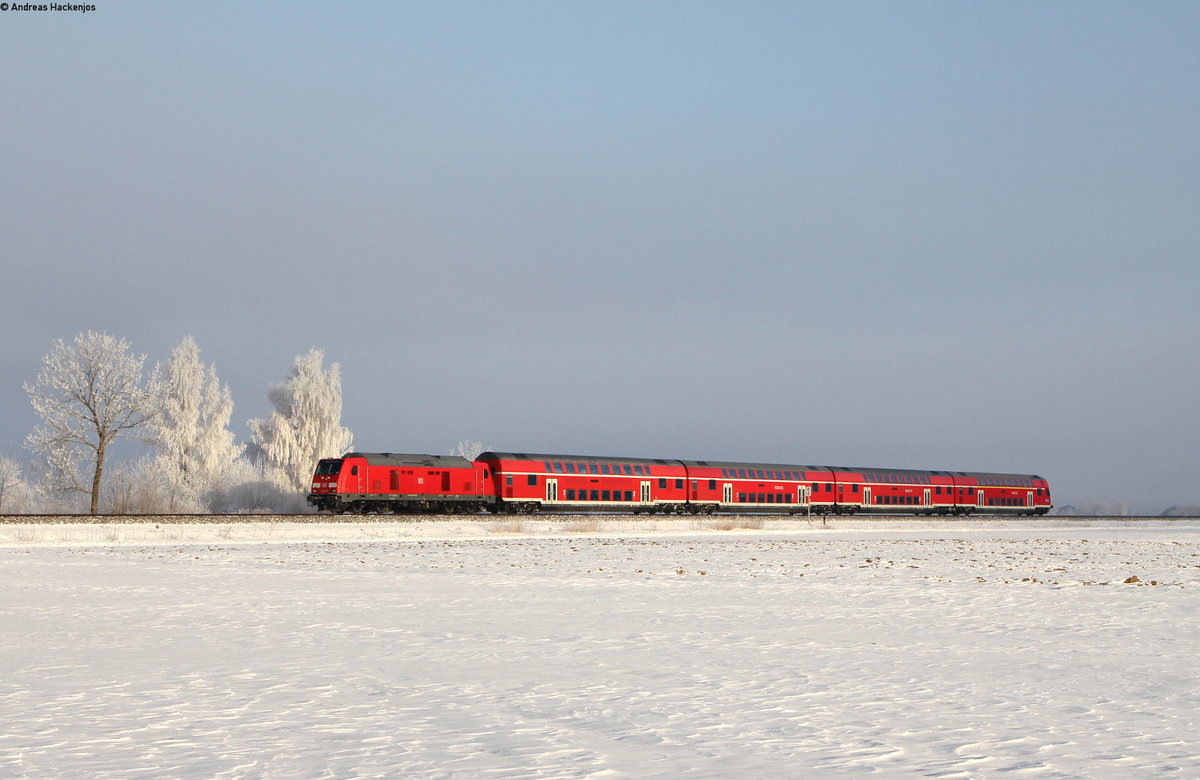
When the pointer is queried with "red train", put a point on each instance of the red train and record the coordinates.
(509, 482)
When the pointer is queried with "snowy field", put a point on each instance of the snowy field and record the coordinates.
(593, 648)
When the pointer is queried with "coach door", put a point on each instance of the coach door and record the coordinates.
(928, 497)
(1029, 499)
(645, 492)
(551, 489)
(866, 496)
(728, 493)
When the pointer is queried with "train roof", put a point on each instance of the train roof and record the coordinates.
(406, 459)
(725, 464)
(721, 464)
(729, 464)
(971, 474)
(575, 458)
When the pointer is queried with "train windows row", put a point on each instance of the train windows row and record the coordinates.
(1006, 502)
(764, 498)
(990, 482)
(569, 467)
(898, 479)
(599, 495)
(761, 474)
(893, 500)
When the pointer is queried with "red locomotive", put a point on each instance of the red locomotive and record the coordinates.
(387, 482)
(507, 482)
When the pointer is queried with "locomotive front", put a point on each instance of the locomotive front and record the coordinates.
(323, 495)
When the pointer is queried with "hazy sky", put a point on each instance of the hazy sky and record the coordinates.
(924, 234)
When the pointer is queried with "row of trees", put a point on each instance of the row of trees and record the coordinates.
(92, 391)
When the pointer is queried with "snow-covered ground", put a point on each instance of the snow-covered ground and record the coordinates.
(600, 648)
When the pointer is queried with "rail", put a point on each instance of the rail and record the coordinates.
(331, 518)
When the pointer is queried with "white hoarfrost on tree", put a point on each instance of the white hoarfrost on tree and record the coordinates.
(305, 426)
(89, 394)
(14, 493)
(469, 449)
(195, 451)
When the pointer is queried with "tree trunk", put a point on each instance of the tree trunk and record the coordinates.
(96, 479)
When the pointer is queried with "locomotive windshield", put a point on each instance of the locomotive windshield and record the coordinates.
(329, 467)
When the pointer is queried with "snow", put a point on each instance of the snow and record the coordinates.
(585, 648)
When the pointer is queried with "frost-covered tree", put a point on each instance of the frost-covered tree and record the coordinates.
(469, 449)
(89, 394)
(305, 426)
(137, 488)
(13, 490)
(194, 448)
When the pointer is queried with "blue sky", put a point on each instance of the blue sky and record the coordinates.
(926, 235)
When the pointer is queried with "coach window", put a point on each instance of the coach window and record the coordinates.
(606, 494)
(592, 469)
(712, 485)
(570, 494)
(532, 479)
(549, 468)
(570, 468)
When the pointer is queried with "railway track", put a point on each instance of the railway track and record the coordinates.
(329, 518)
